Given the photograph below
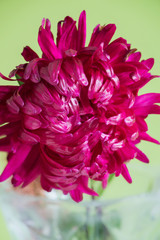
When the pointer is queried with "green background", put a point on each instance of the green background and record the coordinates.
(137, 21)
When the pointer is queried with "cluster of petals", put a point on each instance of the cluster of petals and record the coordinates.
(77, 114)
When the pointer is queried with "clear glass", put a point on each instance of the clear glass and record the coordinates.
(57, 218)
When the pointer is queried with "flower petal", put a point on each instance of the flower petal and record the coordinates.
(30, 108)
(47, 44)
(125, 173)
(141, 156)
(66, 40)
(7, 91)
(102, 34)
(31, 123)
(145, 136)
(54, 69)
(81, 30)
(15, 161)
(43, 94)
(6, 78)
(29, 54)
(31, 71)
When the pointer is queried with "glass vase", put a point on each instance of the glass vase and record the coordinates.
(55, 217)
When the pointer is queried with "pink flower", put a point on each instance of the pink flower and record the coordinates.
(77, 116)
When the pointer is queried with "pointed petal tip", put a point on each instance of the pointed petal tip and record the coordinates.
(146, 137)
(6, 78)
(83, 13)
(43, 22)
(28, 54)
(82, 30)
(125, 173)
(141, 156)
(112, 25)
(102, 34)
(108, 27)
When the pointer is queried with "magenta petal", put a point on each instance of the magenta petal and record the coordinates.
(76, 195)
(105, 180)
(141, 156)
(29, 54)
(147, 137)
(31, 108)
(32, 175)
(142, 82)
(125, 173)
(12, 106)
(148, 63)
(30, 168)
(59, 31)
(19, 70)
(68, 29)
(79, 72)
(47, 44)
(115, 119)
(95, 84)
(142, 125)
(116, 51)
(6, 78)
(6, 115)
(6, 91)
(8, 128)
(45, 74)
(83, 186)
(5, 144)
(43, 94)
(144, 104)
(123, 41)
(47, 24)
(147, 99)
(63, 27)
(134, 57)
(154, 109)
(31, 71)
(143, 112)
(31, 123)
(103, 34)
(53, 70)
(74, 69)
(18, 99)
(28, 137)
(45, 184)
(81, 31)
(15, 161)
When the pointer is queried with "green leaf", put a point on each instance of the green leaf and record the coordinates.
(18, 77)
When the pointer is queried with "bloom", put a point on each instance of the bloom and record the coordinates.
(78, 114)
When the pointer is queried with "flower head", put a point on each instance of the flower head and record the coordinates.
(78, 114)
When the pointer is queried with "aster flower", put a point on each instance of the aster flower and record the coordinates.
(77, 114)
